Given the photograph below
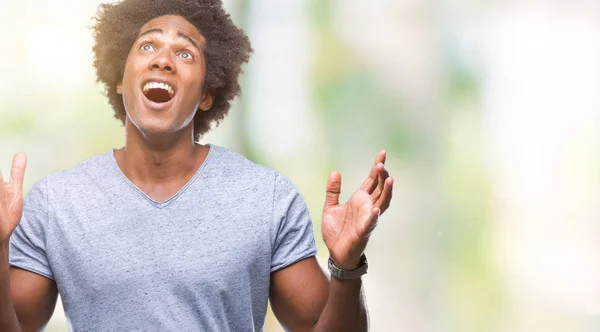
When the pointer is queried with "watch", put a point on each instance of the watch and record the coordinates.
(349, 274)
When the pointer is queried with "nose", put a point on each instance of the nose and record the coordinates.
(163, 61)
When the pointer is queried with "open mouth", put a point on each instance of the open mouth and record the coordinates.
(158, 92)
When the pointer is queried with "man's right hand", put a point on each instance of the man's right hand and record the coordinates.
(27, 299)
(11, 198)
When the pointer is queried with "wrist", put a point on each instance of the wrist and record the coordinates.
(348, 264)
(350, 270)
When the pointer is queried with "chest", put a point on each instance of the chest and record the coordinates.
(138, 251)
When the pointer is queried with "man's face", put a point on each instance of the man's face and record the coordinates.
(164, 74)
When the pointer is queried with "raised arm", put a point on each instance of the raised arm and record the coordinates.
(27, 300)
(301, 297)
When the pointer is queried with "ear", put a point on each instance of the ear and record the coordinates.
(120, 88)
(208, 97)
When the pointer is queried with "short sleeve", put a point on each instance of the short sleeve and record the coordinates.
(292, 232)
(27, 243)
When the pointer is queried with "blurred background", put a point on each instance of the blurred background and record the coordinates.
(489, 111)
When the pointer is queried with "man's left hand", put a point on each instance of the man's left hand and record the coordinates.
(346, 227)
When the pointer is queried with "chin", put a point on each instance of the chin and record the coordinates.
(151, 125)
(158, 127)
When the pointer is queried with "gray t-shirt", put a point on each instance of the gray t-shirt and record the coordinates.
(200, 261)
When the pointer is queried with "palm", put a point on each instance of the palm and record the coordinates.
(11, 198)
(345, 226)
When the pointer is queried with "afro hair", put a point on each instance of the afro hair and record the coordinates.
(227, 49)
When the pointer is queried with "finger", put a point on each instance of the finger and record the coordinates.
(381, 156)
(370, 182)
(334, 187)
(17, 172)
(382, 175)
(371, 222)
(386, 197)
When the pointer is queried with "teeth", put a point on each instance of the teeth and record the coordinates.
(157, 85)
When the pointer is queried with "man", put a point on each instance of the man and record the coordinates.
(167, 234)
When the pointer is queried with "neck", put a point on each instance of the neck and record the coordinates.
(161, 159)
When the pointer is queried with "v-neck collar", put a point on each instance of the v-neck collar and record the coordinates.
(163, 204)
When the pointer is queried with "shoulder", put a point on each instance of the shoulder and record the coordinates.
(234, 165)
(94, 169)
(60, 187)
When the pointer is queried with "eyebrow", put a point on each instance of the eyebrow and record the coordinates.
(179, 34)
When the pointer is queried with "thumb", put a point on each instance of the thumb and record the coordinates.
(17, 171)
(334, 187)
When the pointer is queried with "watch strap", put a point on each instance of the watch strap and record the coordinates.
(349, 274)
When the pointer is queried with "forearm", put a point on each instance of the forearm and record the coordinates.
(345, 309)
(8, 317)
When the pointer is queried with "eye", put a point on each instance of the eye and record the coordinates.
(147, 47)
(186, 55)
